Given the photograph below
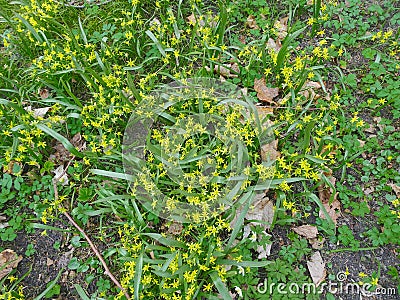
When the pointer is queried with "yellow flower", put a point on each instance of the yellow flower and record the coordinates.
(374, 281)
(207, 287)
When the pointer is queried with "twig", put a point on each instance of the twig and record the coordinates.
(92, 246)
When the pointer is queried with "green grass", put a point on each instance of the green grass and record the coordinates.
(72, 79)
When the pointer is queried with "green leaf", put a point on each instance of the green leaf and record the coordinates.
(157, 42)
(165, 241)
(112, 174)
(81, 292)
(138, 276)
(247, 199)
(223, 291)
(73, 264)
(60, 138)
(50, 286)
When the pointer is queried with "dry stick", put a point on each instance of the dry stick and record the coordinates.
(71, 220)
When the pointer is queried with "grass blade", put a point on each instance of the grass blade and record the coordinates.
(223, 291)
(61, 139)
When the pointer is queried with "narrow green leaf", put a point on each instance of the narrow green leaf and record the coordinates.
(247, 199)
(42, 294)
(157, 42)
(223, 291)
(112, 174)
(81, 292)
(60, 138)
(138, 276)
(165, 241)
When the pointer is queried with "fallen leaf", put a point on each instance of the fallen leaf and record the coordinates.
(369, 190)
(317, 243)
(264, 252)
(192, 19)
(175, 228)
(395, 188)
(156, 22)
(378, 122)
(308, 90)
(225, 71)
(274, 45)
(5, 224)
(78, 142)
(58, 172)
(281, 27)
(38, 112)
(265, 93)
(333, 210)
(261, 210)
(307, 231)
(251, 22)
(316, 267)
(44, 93)
(8, 261)
(62, 155)
(49, 262)
(370, 129)
(325, 193)
(269, 152)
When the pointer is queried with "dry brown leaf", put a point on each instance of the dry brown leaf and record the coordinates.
(8, 261)
(10, 167)
(333, 210)
(49, 262)
(265, 93)
(263, 112)
(251, 22)
(264, 252)
(192, 19)
(261, 210)
(62, 155)
(156, 22)
(317, 243)
(270, 151)
(370, 129)
(312, 84)
(316, 267)
(274, 45)
(308, 90)
(325, 192)
(175, 228)
(395, 189)
(5, 224)
(307, 231)
(78, 142)
(225, 70)
(38, 112)
(281, 27)
(44, 93)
